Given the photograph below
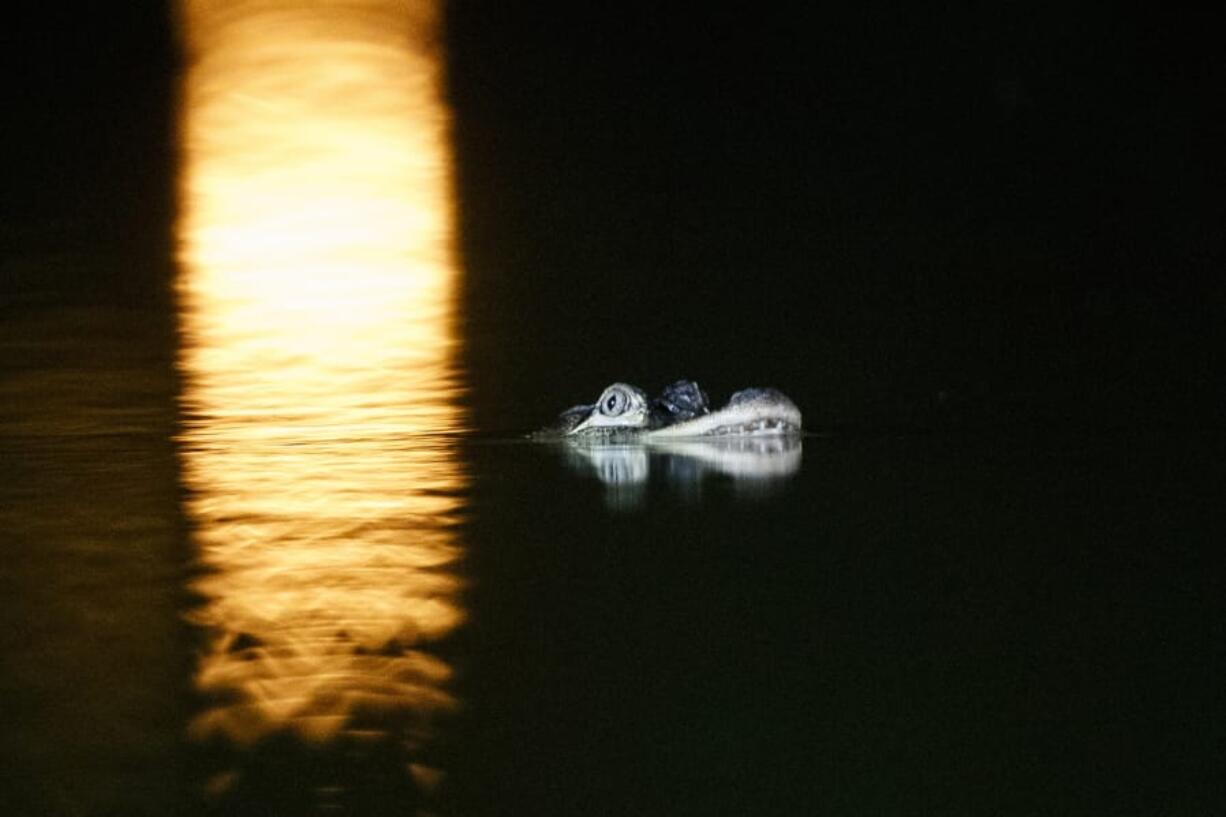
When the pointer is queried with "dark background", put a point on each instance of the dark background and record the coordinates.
(965, 215)
(973, 214)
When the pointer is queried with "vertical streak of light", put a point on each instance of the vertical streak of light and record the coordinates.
(316, 296)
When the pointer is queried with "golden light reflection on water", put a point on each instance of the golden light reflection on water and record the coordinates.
(316, 292)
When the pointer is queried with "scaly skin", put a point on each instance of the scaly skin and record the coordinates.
(622, 415)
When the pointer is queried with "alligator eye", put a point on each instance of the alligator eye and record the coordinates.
(614, 404)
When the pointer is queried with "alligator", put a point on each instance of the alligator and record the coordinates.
(623, 413)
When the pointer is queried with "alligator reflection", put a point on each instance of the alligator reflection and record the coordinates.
(755, 464)
(316, 297)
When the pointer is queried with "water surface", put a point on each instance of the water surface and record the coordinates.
(1001, 623)
(275, 541)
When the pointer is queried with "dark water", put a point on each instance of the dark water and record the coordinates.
(981, 251)
(1003, 622)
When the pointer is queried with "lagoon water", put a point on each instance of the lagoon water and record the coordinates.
(275, 541)
(372, 620)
